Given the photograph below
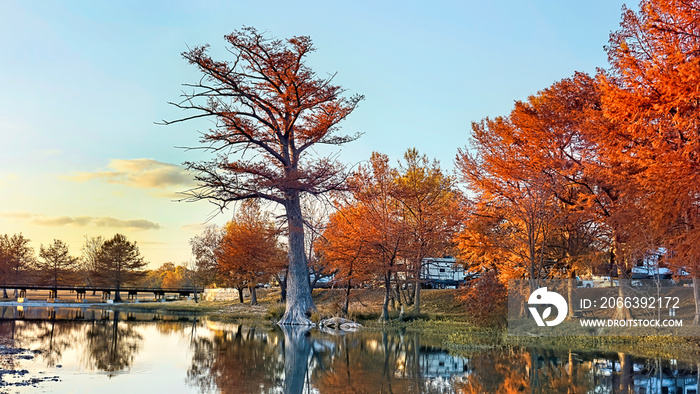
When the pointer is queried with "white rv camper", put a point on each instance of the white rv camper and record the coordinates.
(443, 273)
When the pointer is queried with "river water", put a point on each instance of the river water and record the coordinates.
(84, 350)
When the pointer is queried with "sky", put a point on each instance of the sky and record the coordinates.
(85, 84)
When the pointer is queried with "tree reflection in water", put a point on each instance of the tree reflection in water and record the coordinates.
(382, 362)
(293, 360)
(297, 359)
(237, 360)
(111, 346)
(521, 370)
(231, 358)
(297, 348)
(52, 338)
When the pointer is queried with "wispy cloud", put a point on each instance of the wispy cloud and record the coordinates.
(83, 221)
(139, 173)
(7, 178)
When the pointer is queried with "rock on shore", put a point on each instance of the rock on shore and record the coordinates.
(339, 323)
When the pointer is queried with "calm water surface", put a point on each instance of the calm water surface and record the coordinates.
(101, 351)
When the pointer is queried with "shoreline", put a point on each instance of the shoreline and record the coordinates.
(441, 319)
(9, 355)
(60, 304)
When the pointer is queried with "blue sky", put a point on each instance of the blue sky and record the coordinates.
(83, 84)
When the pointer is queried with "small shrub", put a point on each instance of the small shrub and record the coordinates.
(486, 300)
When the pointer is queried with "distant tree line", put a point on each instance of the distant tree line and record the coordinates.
(113, 262)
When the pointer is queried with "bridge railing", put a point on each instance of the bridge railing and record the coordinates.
(140, 289)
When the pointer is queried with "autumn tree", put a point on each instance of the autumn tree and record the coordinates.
(549, 149)
(430, 212)
(119, 261)
(168, 275)
(249, 249)
(56, 264)
(371, 225)
(555, 143)
(15, 256)
(344, 249)
(651, 91)
(519, 210)
(557, 134)
(269, 109)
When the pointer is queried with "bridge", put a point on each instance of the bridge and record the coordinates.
(80, 291)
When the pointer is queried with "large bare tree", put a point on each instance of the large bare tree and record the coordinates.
(269, 108)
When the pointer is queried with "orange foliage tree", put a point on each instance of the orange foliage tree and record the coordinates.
(486, 300)
(365, 235)
(393, 219)
(558, 204)
(430, 212)
(383, 232)
(342, 248)
(270, 110)
(249, 250)
(544, 194)
(513, 214)
(651, 91)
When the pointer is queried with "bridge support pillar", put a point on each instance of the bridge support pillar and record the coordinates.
(80, 295)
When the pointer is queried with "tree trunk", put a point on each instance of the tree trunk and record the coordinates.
(409, 294)
(570, 296)
(299, 302)
(283, 287)
(416, 297)
(385, 307)
(346, 304)
(621, 312)
(397, 293)
(696, 296)
(117, 297)
(240, 293)
(253, 295)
